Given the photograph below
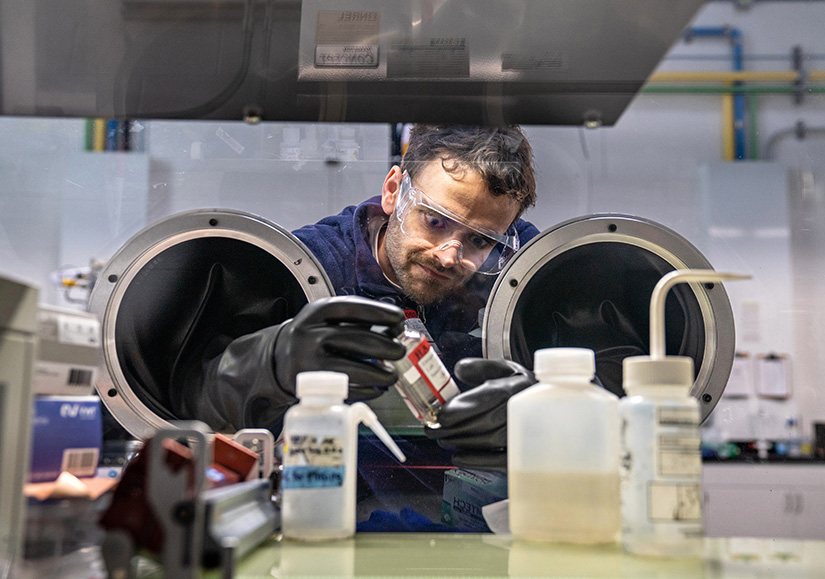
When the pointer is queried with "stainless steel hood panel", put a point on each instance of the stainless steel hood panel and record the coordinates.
(470, 61)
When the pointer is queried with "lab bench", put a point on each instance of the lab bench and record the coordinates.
(486, 555)
(475, 555)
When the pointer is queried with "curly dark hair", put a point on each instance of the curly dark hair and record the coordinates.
(502, 156)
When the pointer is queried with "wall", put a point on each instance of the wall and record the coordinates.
(61, 206)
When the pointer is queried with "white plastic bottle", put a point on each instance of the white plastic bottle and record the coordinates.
(320, 458)
(563, 453)
(291, 144)
(794, 441)
(661, 460)
(348, 148)
(662, 466)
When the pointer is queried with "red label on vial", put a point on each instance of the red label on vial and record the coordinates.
(419, 352)
(416, 356)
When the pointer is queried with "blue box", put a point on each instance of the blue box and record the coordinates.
(67, 434)
(466, 492)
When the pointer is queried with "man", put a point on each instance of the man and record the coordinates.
(446, 222)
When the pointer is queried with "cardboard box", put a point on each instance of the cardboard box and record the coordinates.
(67, 434)
(466, 492)
(69, 346)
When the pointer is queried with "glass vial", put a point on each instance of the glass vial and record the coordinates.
(423, 381)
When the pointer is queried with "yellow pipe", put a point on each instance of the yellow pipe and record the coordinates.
(734, 76)
(728, 148)
(728, 138)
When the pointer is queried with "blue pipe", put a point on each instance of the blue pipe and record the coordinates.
(739, 98)
(706, 31)
(734, 35)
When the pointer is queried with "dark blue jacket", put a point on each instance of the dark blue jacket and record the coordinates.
(223, 373)
(339, 241)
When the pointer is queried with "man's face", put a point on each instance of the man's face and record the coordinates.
(425, 271)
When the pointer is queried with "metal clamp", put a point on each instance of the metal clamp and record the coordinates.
(176, 499)
(262, 441)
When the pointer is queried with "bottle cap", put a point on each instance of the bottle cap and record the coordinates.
(550, 362)
(322, 383)
(642, 371)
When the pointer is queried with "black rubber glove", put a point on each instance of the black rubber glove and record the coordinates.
(474, 423)
(334, 334)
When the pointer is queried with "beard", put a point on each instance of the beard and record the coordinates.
(405, 260)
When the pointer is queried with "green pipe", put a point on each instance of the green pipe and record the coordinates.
(664, 89)
(748, 90)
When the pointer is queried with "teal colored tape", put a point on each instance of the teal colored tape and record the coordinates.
(312, 477)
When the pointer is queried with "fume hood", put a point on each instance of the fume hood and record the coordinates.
(460, 61)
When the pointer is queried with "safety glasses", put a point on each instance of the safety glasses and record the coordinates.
(479, 249)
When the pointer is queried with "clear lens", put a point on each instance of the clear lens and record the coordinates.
(479, 250)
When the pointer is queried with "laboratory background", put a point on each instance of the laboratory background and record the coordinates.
(739, 174)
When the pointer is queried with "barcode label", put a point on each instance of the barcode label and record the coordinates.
(80, 461)
(79, 377)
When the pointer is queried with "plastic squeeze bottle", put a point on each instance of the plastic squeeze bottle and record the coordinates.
(563, 453)
(661, 459)
(320, 458)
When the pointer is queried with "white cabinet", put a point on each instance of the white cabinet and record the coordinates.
(811, 507)
(779, 500)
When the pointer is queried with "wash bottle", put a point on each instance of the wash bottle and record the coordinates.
(661, 460)
(320, 458)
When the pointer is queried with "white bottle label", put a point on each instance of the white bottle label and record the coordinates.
(676, 432)
(82, 332)
(675, 502)
(661, 478)
(676, 417)
(313, 462)
(678, 456)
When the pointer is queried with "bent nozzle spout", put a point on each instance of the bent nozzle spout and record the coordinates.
(657, 301)
(364, 413)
